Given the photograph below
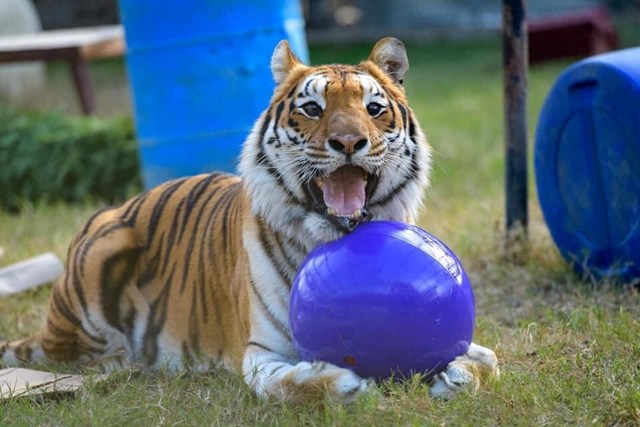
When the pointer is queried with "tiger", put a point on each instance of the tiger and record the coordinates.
(196, 273)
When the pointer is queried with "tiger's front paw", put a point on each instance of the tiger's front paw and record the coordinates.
(466, 372)
(311, 381)
(305, 381)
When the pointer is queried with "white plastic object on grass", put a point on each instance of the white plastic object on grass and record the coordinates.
(30, 273)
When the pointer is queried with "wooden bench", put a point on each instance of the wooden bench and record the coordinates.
(577, 34)
(75, 46)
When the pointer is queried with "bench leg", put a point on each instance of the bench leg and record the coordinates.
(82, 81)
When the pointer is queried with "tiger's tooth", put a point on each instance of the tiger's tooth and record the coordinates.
(356, 214)
(332, 211)
(320, 183)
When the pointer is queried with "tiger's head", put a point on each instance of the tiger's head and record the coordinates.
(338, 145)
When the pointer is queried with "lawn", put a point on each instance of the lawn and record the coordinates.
(568, 346)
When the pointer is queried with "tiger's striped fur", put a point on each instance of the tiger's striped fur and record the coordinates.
(198, 270)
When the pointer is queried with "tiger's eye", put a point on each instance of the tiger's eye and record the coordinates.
(312, 109)
(374, 109)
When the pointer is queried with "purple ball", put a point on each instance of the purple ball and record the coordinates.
(388, 299)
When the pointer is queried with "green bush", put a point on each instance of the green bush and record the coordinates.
(47, 157)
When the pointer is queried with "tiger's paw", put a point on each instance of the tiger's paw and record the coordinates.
(306, 382)
(313, 381)
(466, 372)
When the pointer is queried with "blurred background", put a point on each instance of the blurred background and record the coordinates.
(338, 22)
(360, 18)
(50, 152)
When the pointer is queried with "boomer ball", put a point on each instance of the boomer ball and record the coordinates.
(388, 299)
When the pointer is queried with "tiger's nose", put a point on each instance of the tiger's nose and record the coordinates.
(347, 144)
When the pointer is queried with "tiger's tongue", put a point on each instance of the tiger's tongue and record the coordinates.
(344, 190)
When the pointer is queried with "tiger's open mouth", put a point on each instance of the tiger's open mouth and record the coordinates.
(342, 196)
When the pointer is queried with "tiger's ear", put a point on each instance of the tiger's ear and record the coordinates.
(283, 61)
(390, 55)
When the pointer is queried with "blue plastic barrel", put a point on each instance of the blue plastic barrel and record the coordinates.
(587, 164)
(200, 76)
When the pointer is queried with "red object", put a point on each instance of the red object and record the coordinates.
(581, 33)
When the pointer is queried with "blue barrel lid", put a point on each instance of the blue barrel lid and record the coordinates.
(587, 164)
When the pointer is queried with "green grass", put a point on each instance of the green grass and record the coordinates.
(568, 348)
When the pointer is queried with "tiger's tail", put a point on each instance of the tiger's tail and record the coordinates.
(23, 352)
(55, 342)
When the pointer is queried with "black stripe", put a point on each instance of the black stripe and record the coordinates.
(263, 128)
(84, 333)
(268, 247)
(92, 219)
(279, 110)
(262, 160)
(56, 330)
(113, 282)
(192, 241)
(80, 258)
(409, 177)
(194, 325)
(393, 193)
(403, 114)
(275, 138)
(209, 232)
(296, 245)
(224, 225)
(130, 215)
(158, 208)
(294, 139)
(199, 234)
(79, 261)
(277, 368)
(291, 91)
(23, 352)
(192, 199)
(262, 346)
(202, 289)
(150, 268)
(412, 130)
(60, 304)
(281, 327)
(87, 348)
(173, 231)
(129, 320)
(233, 191)
(305, 90)
(286, 254)
(225, 200)
(66, 348)
(392, 123)
(156, 320)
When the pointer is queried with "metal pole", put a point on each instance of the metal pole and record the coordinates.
(515, 61)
